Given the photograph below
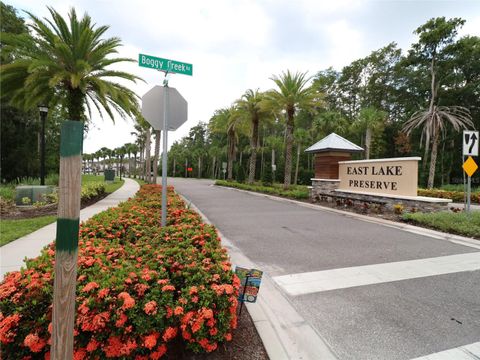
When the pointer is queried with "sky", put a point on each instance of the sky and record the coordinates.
(235, 45)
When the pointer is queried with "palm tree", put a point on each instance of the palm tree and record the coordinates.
(433, 122)
(103, 152)
(141, 126)
(134, 149)
(370, 121)
(253, 107)
(65, 63)
(227, 120)
(292, 94)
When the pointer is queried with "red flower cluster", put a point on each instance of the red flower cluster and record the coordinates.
(139, 286)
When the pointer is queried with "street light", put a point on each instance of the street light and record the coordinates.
(43, 114)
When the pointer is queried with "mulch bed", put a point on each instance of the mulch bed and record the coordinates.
(13, 212)
(245, 344)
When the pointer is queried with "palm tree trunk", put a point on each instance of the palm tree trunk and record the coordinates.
(430, 108)
(262, 159)
(253, 156)
(199, 167)
(230, 156)
(433, 160)
(174, 166)
(213, 167)
(157, 153)
(288, 150)
(368, 140)
(148, 177)
(296, 166)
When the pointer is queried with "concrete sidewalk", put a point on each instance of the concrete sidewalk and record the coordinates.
(29, 246)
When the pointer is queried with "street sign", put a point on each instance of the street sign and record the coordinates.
(470, 143)
(470, 166)
(153, 108)
(166, 65)
(224, 165)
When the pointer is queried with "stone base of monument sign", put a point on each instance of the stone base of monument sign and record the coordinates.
(326, 190)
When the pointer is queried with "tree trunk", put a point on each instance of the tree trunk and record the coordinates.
(186, 168)
(433, 160)
(430, 108)
(199, 167)
(148, 164)
(230, 156)
(253, 145)
(262, 159)
(273, 163)
(174, 166)
(135, 166)
(296, 166)
(156, 155)
(288, 150)
(213, 167)
(368, 140)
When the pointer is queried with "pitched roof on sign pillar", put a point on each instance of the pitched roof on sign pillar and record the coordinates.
(334, 142)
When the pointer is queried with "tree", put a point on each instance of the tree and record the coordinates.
(228, 121)
(433, 123)
(65, 63)
(292, 94)
(371, 122)
(252, 106)
(434, 38)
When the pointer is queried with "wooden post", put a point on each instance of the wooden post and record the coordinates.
(66, 245)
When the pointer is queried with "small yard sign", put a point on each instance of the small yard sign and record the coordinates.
(250, 280)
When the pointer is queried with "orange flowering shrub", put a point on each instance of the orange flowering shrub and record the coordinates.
(139, 287)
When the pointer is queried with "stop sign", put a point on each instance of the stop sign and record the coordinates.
(153, 108)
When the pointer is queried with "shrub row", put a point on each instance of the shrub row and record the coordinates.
(456, 196)
(139, 287)
(299, 192)
(462, 223)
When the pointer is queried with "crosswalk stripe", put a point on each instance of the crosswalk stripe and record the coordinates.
(318, 281)
(467, 352)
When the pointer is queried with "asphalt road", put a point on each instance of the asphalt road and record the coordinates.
(404, 319)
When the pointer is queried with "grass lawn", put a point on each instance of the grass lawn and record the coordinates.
(139, 181)
(109, 188)
(13, 229)
(458, 223)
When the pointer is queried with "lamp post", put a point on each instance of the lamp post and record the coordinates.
(43, 114)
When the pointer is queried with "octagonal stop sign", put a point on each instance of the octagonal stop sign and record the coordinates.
(153, 112)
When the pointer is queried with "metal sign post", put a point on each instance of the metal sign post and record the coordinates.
(165, 145)
(470, 148)
(469, 166)
(164, 109)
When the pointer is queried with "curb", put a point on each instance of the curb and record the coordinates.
(439, 235)
(284, 333)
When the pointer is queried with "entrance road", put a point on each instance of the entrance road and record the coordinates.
(427, 302)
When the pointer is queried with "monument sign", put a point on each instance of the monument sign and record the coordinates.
(393, 176)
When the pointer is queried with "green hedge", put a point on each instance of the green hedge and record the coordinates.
(456, 196)
(295, 192)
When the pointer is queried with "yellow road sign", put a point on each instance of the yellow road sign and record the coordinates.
(470, 166)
